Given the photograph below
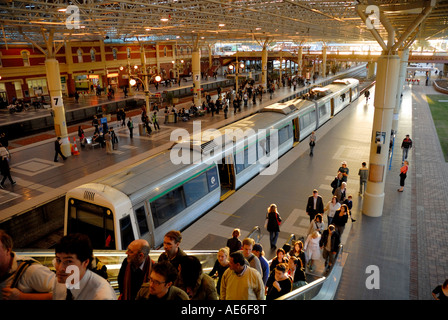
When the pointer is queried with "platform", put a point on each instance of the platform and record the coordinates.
(407, 243)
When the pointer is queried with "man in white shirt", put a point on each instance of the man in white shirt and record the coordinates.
(75, 281)
(22, 278)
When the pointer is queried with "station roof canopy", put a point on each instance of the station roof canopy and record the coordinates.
(215, 20)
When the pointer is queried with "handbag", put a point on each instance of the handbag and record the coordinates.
(279, 220)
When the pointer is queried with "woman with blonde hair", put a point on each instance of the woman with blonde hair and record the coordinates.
(273, 225)
(312, 249)
(221, 265)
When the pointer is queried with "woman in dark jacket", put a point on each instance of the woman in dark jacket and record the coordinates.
(273, 225)
(340, 219)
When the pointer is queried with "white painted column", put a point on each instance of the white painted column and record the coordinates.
(300, 61)
(264, 67)
(324, 62)
(196, 69)
(404, 56)
(385, 91)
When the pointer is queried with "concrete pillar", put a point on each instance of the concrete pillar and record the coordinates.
(196, 69)
(300, 61)
(404, 56)
(324, 62)
(371, 69)
(57, 103)
(281, 69)
(264, 67)
(158, 58)
(385, 91)
(145, 78)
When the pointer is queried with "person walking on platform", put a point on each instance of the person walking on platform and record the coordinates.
(113, 137)
(4, 166)
(403, 173)
(108, 140)
(344, 170)
(130, 125)
(312, 142)
(405, 146)
(363, 175)
(330, 245)
(155, 121)
(57, 149)
(95, 124)
(234, 243)
(314, 205)
(273, 225)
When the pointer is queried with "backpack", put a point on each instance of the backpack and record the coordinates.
(20, 271)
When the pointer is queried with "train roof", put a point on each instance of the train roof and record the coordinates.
(144, 173)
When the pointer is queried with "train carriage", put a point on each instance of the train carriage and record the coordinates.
(166, 192)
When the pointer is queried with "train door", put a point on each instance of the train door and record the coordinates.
(332, 107)
(295, 125)
(144, 223)
(351, 95)
(227, 176)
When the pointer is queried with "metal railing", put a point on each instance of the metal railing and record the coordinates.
(321, 289)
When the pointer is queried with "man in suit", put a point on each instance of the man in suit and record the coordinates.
(314, 205)
(57, 149)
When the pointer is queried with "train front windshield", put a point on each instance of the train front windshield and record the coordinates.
(95, 221)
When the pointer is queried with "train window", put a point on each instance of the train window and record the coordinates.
(95, 221)
(323, 110)
(167, 206)
(212, 179)
(141, 220)
(284, 134)
(195, 189)
(127, 236)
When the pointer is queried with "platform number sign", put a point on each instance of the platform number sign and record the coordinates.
(196, 77)
(56, 101)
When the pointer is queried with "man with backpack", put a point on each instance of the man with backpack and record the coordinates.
(22, 278)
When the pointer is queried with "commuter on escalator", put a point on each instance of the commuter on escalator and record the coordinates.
(74, 251)
(220, 266)
(173, 252)
(22, 278)
(135, 269)
(234, 243)
(191, 279)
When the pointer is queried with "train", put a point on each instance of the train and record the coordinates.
(171, 190)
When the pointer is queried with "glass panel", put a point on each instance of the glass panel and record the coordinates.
(141, 220)
(127, 236)
(168, 206)
(195, 189)
(94, 221)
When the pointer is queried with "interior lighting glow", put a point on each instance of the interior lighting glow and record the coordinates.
(158, 78)
(132, 82)
(164, 19)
